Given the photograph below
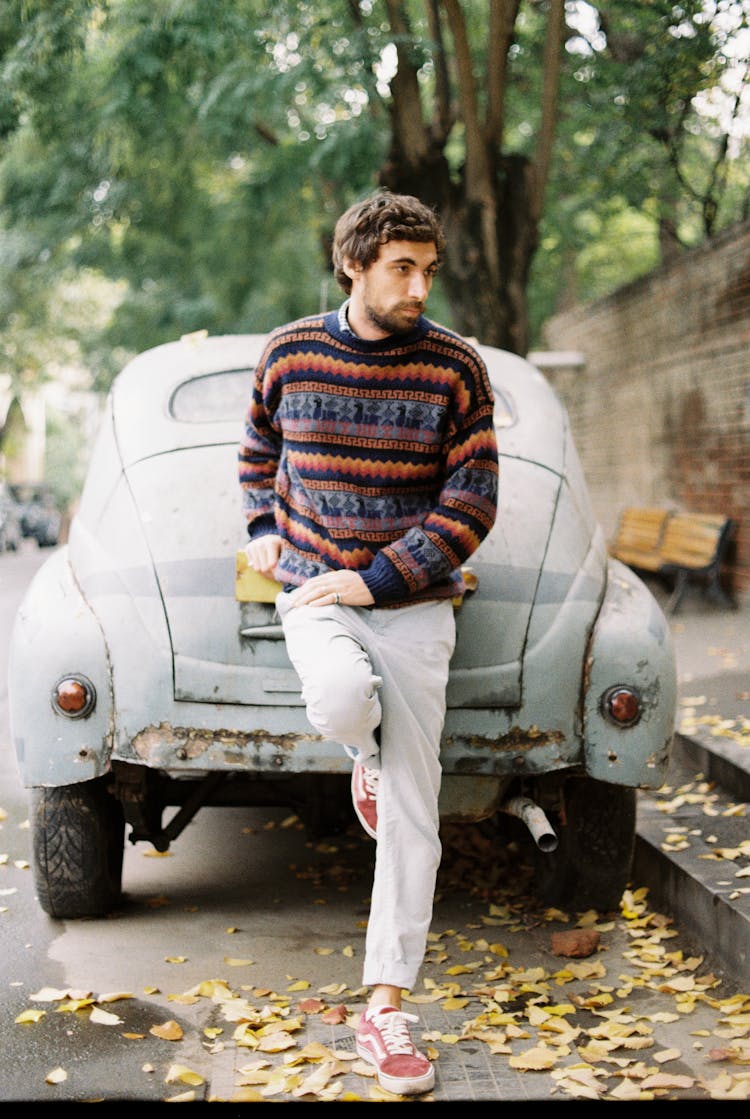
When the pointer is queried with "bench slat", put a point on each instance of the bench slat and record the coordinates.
(638, 537)
(692, 540)
(678, 545)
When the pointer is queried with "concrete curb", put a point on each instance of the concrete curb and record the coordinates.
(687, 836)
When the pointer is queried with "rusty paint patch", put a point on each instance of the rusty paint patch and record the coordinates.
(517, 738)
(188, 742)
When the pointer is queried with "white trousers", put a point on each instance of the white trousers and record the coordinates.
(374, 680)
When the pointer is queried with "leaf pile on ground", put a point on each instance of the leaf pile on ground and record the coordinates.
(736, 730)
(583, 1022)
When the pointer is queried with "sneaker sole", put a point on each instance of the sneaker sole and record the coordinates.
(398, 1086)
(372, 834)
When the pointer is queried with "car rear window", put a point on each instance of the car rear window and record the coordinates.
(226, 395)
(504, 413)
(212, 397)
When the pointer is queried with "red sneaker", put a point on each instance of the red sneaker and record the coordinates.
(364, 797)
(383, 1040)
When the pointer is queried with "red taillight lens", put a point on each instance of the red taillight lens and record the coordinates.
(74, 697)
(621, 705)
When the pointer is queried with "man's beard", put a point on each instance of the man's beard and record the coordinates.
(391, 322)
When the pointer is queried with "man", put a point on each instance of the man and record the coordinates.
(369, 475)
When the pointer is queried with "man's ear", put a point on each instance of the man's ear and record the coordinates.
(351, 268)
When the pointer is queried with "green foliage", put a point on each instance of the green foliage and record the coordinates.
(185, 160)
(639, 150)
(65, 459)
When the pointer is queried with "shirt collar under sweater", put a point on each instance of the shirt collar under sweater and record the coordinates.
(337, 323)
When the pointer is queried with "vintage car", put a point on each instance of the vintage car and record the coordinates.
(143, 678)
(40, 518)
(10, 521)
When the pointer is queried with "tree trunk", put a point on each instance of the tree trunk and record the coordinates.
(491, 207)
(488, 298)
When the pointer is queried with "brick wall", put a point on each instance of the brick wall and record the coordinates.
(660, 409)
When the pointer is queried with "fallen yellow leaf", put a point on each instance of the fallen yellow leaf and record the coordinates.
(113, 997)
(103, 1018)
(667, 1080)
(534, 1059)
(667, 1055)
(168, 1031)
(276, 1042)
(183, 1074)
(32, 1015)
(246, 1095)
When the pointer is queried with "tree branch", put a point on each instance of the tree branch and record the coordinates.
(478, 179)
(503, 15)
(719, 166)
(545, 140)
(265, 132)
(369, 58)
(476, 157)
(444, 115)
(408, 126)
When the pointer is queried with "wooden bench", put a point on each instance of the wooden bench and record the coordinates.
(639, 535)
(679, 547)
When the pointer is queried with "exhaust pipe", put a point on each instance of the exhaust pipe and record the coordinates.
(534, 819)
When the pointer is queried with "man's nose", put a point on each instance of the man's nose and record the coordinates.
(418, 286)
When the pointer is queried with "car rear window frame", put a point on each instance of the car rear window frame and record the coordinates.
(184, 409)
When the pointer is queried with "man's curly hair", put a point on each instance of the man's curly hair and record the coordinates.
(383, 217)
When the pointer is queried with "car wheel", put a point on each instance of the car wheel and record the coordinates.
(591, 865)
(77, 842)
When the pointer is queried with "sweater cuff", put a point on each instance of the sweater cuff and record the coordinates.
(383, 581)
(262, 526)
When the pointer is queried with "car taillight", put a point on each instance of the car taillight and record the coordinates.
(621, 705)
(74, 696)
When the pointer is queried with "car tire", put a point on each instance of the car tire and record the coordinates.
(78, 834)
(591, 866)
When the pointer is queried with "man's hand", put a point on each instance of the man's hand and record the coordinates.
(344, 588)
(263, 553)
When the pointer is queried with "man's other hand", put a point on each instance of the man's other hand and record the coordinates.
(263, 553)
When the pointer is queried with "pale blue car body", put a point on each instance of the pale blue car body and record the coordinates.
(190, 682)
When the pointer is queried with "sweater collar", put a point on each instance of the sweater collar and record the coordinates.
(337, 322)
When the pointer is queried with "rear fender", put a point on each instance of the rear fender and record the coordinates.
(631, 644)
(50, 748)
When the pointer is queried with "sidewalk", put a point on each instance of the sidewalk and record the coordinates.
(712, 648)
(693, 835)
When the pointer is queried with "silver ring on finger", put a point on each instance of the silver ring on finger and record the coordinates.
(336, 598)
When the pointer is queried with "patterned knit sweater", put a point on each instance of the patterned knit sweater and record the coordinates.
(375, 456)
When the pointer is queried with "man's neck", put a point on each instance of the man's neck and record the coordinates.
(361, 325)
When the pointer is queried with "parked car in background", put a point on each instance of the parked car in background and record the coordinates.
(40, 517)
(143, 678)
(10, 521)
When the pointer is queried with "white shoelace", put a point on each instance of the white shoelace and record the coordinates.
(370, 781)
(395, 1032)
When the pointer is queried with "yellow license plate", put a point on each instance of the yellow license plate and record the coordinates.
(250, 585)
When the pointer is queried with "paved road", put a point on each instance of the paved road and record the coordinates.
(202, 974)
